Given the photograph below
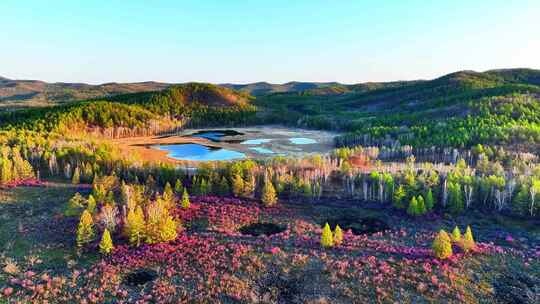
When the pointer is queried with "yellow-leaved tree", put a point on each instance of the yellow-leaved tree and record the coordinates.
(268, 197)
(85, 229)
(327, 239)
(456, 235)
(468, 242)
(134, 226)
(338, 235)
(442, 245)
(106, 244)
(185, 200)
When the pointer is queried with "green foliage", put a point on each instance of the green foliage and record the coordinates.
(455, 198)
(185, 200)
(442, 246)
(134, 226)
(430, 202)
(178, 187)
(327, 239)
(76, 178)
(75, 205)
(85, 229)
(106, 244)
(456, 235)
(399, 197)
(412, 210)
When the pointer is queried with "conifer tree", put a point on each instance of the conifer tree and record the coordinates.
(456, 235)
(249, 186)
(134, 226)
(91, 204)
(106, 244)
(204, 187)
(412, 210)
(455, 198)
(430, 203)
(178, 187)
(421, 207)
(468, 240)
(167, 229)
(269, 197)
(398, 199)
(238, 185)
(85, 229)
(5, 170)
(338, 235)
(442, 245)
(168, 194)
(76, 178)
(75, 205)
(327, 240)
(185, 200)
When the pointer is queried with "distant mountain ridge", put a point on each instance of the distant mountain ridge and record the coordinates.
(29, 93)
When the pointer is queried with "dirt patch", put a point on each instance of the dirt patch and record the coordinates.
(140, 277)
(365, 225)
(258, 229)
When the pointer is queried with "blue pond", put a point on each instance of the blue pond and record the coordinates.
(198, 152)
(262, 150)
(255, 141)
(302, 141)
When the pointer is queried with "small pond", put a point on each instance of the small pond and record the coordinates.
(302, 141)
(249, 142)
(197, 152)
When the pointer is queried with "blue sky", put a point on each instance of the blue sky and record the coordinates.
(277, 41)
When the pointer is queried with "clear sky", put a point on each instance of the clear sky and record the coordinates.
(277, 41)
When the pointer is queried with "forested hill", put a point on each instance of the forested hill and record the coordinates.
(192, 104)
(460, 109)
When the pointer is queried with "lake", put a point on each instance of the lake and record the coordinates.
(254, 142)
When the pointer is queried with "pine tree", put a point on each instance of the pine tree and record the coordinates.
(76, 178)
(442, 245)
(85, 230)
(338, 235)
(91, 204)
(75, 205)
(269, 197)
(430, 203)
(455, 198)
(456, 235)
(160, 226)
(106, 244)
(185, 200)
(468, 240)
(421, 207)
(167, 229)
(178, 187)
(168, 194)
(249, 186)
(398, 199)
(134, 226)
(238, 185)
(327, 240)
(5, 170)
(412, 210)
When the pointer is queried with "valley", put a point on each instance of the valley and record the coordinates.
(413, 192)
